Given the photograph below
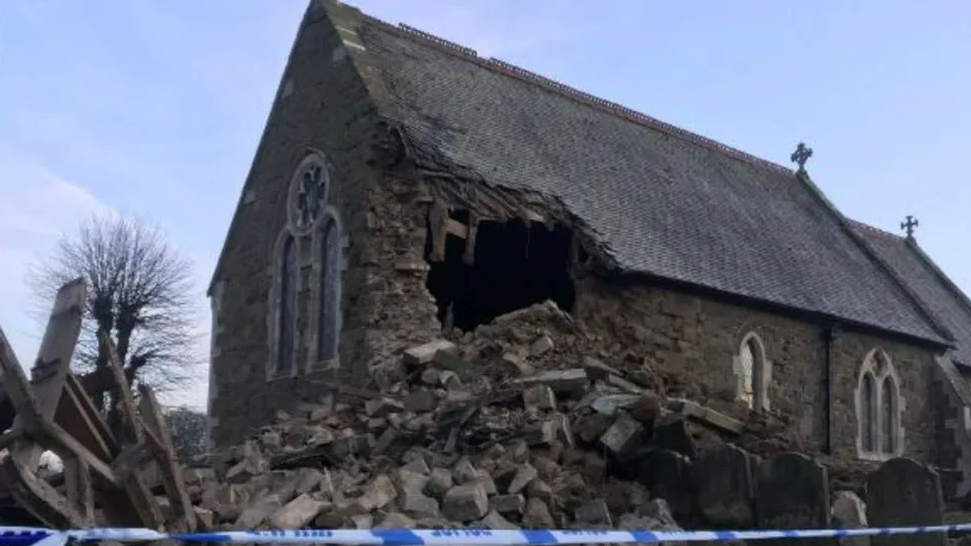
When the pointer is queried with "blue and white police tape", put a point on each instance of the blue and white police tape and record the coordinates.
(37, 536)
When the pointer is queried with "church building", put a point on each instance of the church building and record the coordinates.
(404, 184)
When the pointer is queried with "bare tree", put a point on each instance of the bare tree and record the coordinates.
(140, 294)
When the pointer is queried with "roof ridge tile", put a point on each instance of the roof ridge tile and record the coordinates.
(872, 229)
(549, 84)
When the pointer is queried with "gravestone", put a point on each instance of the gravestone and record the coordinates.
(849, 512)
(724, 488)
(666, 474)
(905, 493)
(792, 492)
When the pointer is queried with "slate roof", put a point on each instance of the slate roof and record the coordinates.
(937, 293)
(662, 201)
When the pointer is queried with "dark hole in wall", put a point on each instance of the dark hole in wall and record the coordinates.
(517, 264)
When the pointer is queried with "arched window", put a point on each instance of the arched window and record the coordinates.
(328, 320)
(286, 315)
(888, 415)
(878, 407)
(868, 414)
(752, 373)
(747, 357)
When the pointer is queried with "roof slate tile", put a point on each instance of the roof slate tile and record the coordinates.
(662, 204)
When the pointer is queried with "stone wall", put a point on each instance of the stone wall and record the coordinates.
(688, 345)
(688, 342)
(320, 106)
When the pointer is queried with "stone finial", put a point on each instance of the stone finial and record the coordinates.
(801, 156)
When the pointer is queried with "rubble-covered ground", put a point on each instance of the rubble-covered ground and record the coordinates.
(509, 426)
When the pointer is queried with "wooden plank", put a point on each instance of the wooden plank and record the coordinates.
(17, 388)
(66, 446)
(88, 408)
(57, 346)
(77, 485)
(438, 224)
(7, 413)
(10, 438)
(168, 463)
(38, 497)
(456, 228)
(71, 416)
(36, 403)
(469, 256)
(121, 392)
(131, 435)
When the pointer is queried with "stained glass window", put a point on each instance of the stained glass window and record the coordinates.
(868, 410)
(888, 416)
(330, 272)
(311, 195)
(286, 333)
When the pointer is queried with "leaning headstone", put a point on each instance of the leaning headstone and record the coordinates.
(905, 493)
(666, 474)
(724, 488)
(849, 512)
(792, 492)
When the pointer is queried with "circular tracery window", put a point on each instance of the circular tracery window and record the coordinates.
(308, 193)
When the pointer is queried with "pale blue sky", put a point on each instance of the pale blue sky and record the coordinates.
(154, 107)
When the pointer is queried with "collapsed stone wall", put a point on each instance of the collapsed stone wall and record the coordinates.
(671, 341)
(447, 443)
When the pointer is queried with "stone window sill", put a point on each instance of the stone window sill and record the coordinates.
(276, 376)
(324, 365)
(877, 457)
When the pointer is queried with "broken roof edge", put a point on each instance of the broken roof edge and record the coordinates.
(582, 97)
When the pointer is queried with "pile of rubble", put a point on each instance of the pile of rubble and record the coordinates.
(498, 429)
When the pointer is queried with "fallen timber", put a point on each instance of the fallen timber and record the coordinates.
(107, 479)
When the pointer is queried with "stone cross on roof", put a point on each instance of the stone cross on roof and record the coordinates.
(908, 226)
(801, 156)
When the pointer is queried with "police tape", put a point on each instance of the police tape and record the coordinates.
(39, 536)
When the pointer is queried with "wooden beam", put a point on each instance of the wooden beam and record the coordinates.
(72, 417)
(57, 346)
(17, 387)
(87, 407)
(469, 256)
(38, 497)
(456, 228)
(168, 463)
(131, 434)
(438, 224)
(78, 488)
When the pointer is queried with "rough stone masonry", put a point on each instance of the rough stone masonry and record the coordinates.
(445, 444)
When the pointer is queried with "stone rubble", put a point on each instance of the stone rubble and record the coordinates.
(499, 429)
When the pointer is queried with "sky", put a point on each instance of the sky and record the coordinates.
(154, 108)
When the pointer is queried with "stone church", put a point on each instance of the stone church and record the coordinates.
(403, 184)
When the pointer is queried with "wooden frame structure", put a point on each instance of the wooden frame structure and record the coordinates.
(104, 478)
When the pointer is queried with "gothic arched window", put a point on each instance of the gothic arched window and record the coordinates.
(880, 435)
(868, 412)
(328, 320)
(286, 317)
